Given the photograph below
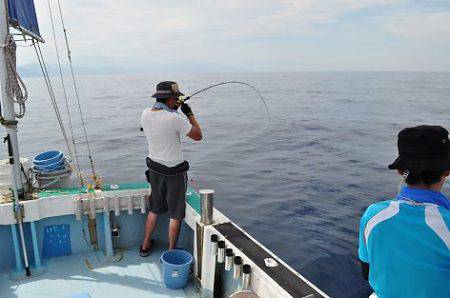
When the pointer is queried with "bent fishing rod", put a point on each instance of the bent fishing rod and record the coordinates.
(182, 99)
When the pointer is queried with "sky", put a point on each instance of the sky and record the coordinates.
(251, 35)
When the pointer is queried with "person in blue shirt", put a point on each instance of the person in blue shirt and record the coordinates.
(404, 244)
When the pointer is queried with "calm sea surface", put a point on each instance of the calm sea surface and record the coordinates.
(298, 184)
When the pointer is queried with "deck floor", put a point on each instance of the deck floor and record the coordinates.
(92, 273)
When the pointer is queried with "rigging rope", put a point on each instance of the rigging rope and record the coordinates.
(16, 91)
(48, 83)
(69, 56)
(80, 180)
(54, 104)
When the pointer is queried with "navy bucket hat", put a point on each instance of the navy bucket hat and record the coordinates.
(167, 89)
(423, 148)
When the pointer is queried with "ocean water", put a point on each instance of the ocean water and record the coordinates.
(298, 184)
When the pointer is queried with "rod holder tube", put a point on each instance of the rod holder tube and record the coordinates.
(105, 205)
(142, 201)
(207, 204)
(237, 268)
(91, 208)
(109, 249)
(78, 205)
(228, 259)
(246, 276)
(130, 205)
(221, 251)
(214, 244)
(116, 206)
(24, 250)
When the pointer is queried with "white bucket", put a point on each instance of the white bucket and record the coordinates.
(56, 179)
(5, 172)
(56, 182)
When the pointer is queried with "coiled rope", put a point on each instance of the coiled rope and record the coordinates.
(16, 91)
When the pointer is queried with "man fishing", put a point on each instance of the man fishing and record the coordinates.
(167, 169)
(404, 244)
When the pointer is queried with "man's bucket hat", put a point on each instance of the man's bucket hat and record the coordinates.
(167, 89)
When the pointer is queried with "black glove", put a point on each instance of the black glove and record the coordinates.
(186, 109)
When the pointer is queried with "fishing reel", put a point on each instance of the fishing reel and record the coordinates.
(182, 99)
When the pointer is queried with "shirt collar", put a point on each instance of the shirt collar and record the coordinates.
(161, 106)
(423, 196)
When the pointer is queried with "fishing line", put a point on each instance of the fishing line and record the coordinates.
(183, 99)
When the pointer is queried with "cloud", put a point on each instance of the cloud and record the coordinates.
(435, 24)
(233, 32)
(164, 22)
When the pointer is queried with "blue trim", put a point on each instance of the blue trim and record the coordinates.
(19, 266)
(37, 256)
(423, 196)
(108, 237)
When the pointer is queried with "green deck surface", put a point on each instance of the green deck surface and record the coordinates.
(192, 197)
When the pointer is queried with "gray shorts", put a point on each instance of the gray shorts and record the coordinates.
(168, 194)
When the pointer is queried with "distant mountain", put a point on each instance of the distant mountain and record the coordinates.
(34, 70)
(100, 65)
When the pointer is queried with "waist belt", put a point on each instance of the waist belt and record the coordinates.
(168, 171)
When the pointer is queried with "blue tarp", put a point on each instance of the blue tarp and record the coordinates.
(22, 16)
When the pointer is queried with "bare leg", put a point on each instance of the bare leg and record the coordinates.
(150, 226)
(174, 231)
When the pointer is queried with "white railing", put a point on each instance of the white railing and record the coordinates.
(88, 203)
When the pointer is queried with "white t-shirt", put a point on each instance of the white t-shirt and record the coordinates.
(163, 130)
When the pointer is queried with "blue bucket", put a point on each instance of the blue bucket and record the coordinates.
(176, 268)
(48, 158)
(59, 165)
(49, 161)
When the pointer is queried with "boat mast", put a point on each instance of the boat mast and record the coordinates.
(10, 123)
(8, 106)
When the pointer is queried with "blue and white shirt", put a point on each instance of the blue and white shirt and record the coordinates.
(407, 244)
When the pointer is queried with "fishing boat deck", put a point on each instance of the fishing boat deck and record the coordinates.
(126, 275)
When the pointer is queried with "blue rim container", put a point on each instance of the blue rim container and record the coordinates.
(48, 158)
(59, 165)
(176, 268)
